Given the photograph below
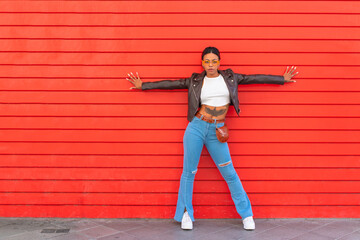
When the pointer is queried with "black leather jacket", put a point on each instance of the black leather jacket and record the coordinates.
(194, 84)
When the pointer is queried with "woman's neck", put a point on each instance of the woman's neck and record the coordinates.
(212, 75)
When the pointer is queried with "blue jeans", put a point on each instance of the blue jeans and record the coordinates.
(198, 133)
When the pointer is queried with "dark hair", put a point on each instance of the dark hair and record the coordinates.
(213, 50)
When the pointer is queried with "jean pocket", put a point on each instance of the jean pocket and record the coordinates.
(195, 119)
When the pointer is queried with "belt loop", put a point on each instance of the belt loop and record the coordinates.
(215, 122)
(201, 117)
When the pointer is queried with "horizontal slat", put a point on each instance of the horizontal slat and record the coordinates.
(174, 174)
(176, 136)
(177, 148)
(180, 123)
(177, 97)
(120, 83)
(73, 211)
(165, 19)
(58, 32)
(188, 59)
(166, 199)
(182, 46)
(182, 6)
(176, 72)
(169, 161)
(200, 186)
(161, 110)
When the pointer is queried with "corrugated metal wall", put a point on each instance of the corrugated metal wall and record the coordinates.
(76, 142)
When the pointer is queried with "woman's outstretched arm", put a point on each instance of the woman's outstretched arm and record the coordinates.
(163, 84)
(270, 79)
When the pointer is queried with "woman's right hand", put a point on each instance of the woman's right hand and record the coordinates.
(135, 80)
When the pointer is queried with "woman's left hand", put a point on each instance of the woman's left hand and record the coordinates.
(289, 73)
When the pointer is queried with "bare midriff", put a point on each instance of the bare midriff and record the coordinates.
(217, 113)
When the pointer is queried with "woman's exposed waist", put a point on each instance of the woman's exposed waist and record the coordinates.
(215, 113)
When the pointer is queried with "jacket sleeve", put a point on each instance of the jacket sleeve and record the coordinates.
(259, 78)
(166, 84)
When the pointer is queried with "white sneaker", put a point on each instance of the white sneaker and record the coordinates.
(186, 222)
(249, 223)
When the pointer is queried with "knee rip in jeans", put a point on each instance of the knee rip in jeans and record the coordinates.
(194, 172)
(224, 164)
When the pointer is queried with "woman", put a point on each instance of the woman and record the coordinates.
(210, 94)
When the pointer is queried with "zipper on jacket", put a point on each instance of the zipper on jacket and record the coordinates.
(197, 99)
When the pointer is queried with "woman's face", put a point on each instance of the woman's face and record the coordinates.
(211, 63)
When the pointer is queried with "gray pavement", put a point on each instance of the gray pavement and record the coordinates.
(156, 229)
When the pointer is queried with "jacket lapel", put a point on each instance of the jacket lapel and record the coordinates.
(225, 75)
(200, 77)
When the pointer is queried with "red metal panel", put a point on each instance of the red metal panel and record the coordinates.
(312, 74)
(183, 33)
(76, 142)
(169, 199)
(177, 97)
(175, 136)
(191, 45)
(165, 19)
(108, 123)
(79, 211)
(176, 148)
(165, 110)
(180, 6)
(117, 84)
(200, 186)
(189, 59)
(175, 161)
(172, 174)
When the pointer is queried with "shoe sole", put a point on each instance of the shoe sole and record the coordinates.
(186, 228)
(249, 229)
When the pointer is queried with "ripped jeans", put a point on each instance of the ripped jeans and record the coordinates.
(198, 133)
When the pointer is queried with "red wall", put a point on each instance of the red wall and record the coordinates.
(75, 141)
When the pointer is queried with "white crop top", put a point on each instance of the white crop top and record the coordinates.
(214, 92)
